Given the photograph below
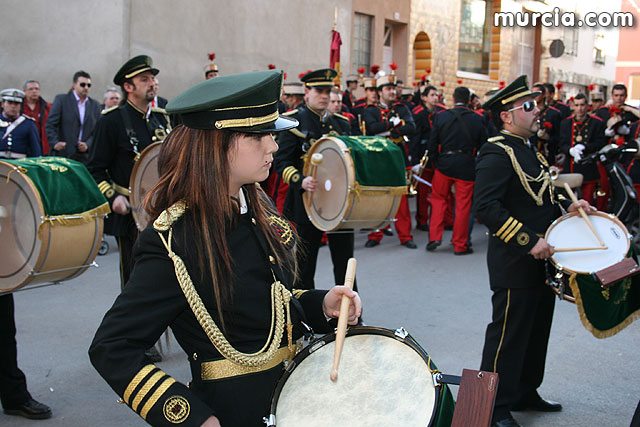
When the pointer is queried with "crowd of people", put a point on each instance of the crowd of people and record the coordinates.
(488, 161)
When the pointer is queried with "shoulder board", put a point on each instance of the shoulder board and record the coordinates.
(562, 103)
(297, 133)
(496, 138)
(158, 110)
(593, 116)
(551, 107)
(417, 109)
(477, 112)
(290, 112)
(108, 110)
(341, 116)
(28, 117)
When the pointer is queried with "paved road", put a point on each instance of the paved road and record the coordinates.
(441, 299)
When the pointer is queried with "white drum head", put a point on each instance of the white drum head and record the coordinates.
(381, 382)
(572, 231)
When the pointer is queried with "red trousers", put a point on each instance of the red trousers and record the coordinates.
(423, 202)
(402, 223)
(588, 190)
(464, 194)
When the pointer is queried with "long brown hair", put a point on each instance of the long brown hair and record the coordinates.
(194, 167)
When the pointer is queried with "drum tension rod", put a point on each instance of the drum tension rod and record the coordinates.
(440, 378)
(93, 264)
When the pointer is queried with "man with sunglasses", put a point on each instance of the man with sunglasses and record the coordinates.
(515, 199)
(71, 120)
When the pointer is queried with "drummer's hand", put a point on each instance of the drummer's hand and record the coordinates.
(542, 249)
(121, 205)
(59, 146)
(583, 204)
(333, 298)
(309, 183)
(211, 422)
(82, 146)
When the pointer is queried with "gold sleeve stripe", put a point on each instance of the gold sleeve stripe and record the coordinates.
(155, 396)
(504, 226)
(513, 225)
(148, 385)
(513, 233)
(297, 293)
(135, 381)
(288, 172)
(104, 186)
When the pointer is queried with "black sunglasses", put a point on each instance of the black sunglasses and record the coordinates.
(83, 84)
(527, 106)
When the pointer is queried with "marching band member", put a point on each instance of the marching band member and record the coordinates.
(217, 266)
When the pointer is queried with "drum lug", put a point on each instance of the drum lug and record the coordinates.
(401, 333)
(436, 377)
(316, 346)
(270, 421)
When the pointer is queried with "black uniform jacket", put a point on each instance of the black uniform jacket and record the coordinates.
(376, 118)
(294, 144)
(454, 148)
(152, 300)
(114, 150)
(423, 119)
(513, 217)
(591, 134)
(550, 118)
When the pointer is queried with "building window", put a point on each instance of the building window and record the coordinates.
(570, 39)
(362, 41)
(598, 49)
(475, 36)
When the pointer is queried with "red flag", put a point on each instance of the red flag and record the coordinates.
(334, 56)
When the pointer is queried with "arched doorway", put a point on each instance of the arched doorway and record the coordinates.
(421, 55)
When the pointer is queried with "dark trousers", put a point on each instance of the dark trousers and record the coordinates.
(125, 246)
(516, 343)
(340, 246)
(13, 384)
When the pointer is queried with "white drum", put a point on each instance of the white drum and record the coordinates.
(571, 230)
(385, 379)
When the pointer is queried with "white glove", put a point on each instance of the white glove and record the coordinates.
(395, 121)
(609, 132)
(576, 151)
(623, 130)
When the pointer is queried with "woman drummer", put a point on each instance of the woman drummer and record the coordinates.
(216, 266)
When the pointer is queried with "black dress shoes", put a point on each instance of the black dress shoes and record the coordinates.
(507, 422)
(410, 244)
(371, 243)
(387, 232)
(153, 355)
(30, 409)
(422, 227)
(538, 404)
(431, 246)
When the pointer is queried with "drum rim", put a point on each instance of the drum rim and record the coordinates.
(353, 331)
(605, 215)
(351, 180)
(133, 187)
(39, 243)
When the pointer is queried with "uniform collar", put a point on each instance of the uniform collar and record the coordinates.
(524, 140)
(132, 105)
(242, 201)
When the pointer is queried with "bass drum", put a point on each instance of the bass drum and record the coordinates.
(343, 199)
(385, 379)
(35, 250)
(144, 176)
(571, 230)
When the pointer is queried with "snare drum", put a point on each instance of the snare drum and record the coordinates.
(571, 230)
(51, 219)
(360, 182)
(144, 176)
(385, 379)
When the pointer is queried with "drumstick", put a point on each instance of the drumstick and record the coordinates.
(316, 160)
(574, 199)
(343, 318)
(602, 248)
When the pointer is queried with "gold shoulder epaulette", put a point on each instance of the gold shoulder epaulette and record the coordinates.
(28, 117)
(108, 110)
(158, 110)
(290, 112)
(342, 117)
(297, 133)
(496, 138)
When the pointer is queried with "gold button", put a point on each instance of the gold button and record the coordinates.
(272, 259)
(253, 220)
(195, 356)
(153, 138)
